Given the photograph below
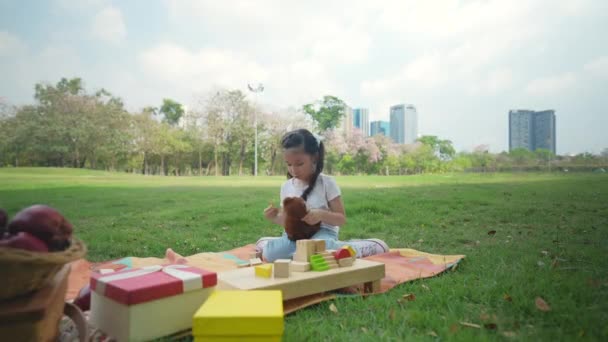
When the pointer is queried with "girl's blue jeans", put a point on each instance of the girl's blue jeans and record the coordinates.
(283, 248)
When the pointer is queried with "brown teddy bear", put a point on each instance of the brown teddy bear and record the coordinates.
(296, 229)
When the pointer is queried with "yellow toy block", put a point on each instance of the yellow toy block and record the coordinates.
(264, 271)
(240, 316)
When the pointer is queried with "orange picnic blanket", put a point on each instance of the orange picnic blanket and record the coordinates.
(402, 265)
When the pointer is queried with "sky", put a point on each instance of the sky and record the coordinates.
(463, 64)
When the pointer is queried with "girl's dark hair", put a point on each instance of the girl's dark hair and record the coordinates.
(303, 138)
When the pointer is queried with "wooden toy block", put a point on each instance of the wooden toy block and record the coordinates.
(300, 284)
(304, 249)
(345, 262)
(298, 266)
(264, 270)
(255, 261)
(317, 263)
(319, 246)
(281, 268)
(351, 250)
(240, 316)
(328, 258)
(342, 253)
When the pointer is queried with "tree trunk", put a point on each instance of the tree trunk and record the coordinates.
(162, 165)
(242, 159)
(215, 159)
(273, 157)
(200, 163)
(209, 168)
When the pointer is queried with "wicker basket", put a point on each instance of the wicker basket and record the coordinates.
(25, 271)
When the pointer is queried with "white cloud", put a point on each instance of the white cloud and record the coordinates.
(598, 67)
(551, 85)
(11, 45)
(202, 70)
(109, 26)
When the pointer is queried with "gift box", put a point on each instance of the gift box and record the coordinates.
(240, 316)
(150, 302)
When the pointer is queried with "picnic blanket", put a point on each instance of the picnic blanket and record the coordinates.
(402, 265)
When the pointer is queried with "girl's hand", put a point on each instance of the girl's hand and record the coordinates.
(271, 212)
(314, 216)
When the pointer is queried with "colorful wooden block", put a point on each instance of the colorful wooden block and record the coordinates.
(342, 253)
(318, 263)
(240, 316)
(351, 250)
(255, 261)
(298, 266)
(264, 270)
(281, 268)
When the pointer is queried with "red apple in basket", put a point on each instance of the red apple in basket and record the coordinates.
(23, 240)
(45, 223)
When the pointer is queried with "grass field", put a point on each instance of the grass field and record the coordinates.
(550, 241)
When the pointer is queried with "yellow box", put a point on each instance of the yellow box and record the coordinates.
(264, 271)
(232, 315)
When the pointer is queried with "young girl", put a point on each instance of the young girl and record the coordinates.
(304, 153)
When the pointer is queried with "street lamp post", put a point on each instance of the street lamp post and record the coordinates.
(257, 89)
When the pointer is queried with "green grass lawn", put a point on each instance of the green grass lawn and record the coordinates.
(550, 241)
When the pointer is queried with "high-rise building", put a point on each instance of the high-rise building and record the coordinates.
(404, 123)
(361, 120)
(346, 123)
(380, 127)
(532, 130)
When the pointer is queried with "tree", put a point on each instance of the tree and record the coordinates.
(522, 156)
(326, 113)
(172, 111)
(443, 148)
(228, 117)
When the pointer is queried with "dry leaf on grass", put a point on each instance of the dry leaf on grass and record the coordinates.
(432, 333)
(542, 305)
(333, 308)
(426, 287)
(454, 328)
(491, 232)
(391, 314)
(470, 325)
(364, 329)
(509, 333)
(507, 297)
(407, 298)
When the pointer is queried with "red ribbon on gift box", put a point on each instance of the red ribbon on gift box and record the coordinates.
(151, 283)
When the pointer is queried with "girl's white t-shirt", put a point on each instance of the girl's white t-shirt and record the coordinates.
(324, 191)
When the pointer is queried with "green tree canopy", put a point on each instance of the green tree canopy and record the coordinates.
(326, 112)
(172, 111)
